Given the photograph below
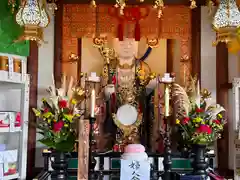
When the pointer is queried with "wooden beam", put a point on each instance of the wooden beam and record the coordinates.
(58, 30)
(227, 86)
(32, 69)
(196, 42)
(222, 99)
(170, 54)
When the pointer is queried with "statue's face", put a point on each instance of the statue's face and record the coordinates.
(127, 48)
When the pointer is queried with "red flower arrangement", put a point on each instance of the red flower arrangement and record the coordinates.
(56, 119)
(200, 120)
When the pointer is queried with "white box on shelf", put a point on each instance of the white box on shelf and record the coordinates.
(1, 157)
(10, 156)
(8, 164)
(13, 176)
(10, 121)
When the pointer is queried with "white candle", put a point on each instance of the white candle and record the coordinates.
(64, 84)
(53, 86)
(198, 98)
(93, 103)
(166, 99)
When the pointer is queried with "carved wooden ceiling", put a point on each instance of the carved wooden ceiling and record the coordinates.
(132, 2)
(137, 2)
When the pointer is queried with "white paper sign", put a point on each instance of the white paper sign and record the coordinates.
(134, 170)
(1, 172)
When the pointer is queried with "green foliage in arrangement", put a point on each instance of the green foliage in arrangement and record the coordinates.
(10, 31)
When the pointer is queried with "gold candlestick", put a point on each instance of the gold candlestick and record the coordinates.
(167, 162)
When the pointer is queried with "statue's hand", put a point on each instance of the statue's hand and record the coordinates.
(109, 90)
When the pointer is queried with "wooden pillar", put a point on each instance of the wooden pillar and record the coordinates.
(83, 149)
(58, 30)
(170, 55)
(196, 42)
(32, 69)
(222, 99)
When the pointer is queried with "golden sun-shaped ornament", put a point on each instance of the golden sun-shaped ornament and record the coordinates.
(127, 118)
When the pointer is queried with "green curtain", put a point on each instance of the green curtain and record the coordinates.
(10, 31)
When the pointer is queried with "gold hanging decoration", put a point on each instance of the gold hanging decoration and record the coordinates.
(52, 6)
(33, 17)
(93, 4)
(226, 21)
(12, 4)
(122, 4)
(193, 4)
(159, 5)
(210, 5)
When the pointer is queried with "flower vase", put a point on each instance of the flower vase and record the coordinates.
(185, 152)
(199, 163)
(59, 162)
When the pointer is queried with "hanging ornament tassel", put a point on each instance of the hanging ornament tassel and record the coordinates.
(159, 4)
(137, 31)
(122, 10)
(12, 4)
(210, 5)
(193, 4)
(120, 31)
(120, 4)
(160, 13)
(93, 4)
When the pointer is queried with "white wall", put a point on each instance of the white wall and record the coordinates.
(45, 71)
(208, 53)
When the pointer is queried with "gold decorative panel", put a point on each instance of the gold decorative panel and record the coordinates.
(80, 21)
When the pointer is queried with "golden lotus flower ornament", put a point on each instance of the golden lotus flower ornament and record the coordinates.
(33, 17)
(159, 5)
(121, 4)
(226, 21)
(93, 4)
(193, 4)
(52, 6)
